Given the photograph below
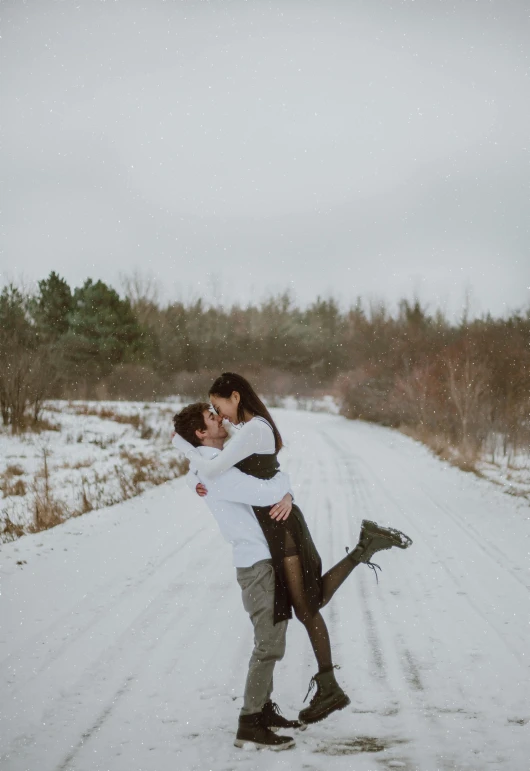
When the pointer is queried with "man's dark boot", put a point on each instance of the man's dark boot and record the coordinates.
(374, 538)
(252, 731)
(328, 698)
(272, 718)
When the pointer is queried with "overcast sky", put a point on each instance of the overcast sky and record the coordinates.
(356, 147)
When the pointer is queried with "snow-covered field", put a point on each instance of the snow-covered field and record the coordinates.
(96, 454)
(124, 644)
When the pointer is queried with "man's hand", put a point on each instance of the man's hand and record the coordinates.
(282, 509)
(201, 490)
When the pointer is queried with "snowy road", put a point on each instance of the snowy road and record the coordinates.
(124, 645)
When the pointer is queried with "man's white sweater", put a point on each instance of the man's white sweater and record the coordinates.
(230, 498)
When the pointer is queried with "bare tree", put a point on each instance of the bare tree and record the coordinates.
(414, 389)
(25, 380)
(143, 292)
(467, 383)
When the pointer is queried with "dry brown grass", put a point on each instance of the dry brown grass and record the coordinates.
(30, 426)
(106, 413)
(146, 431)
(46, 510)
(52, 408)
(78, 464)
(10, 531)
(518, 493)
(82, 463)
(464, 457)
(102, 442)
(10, 487)
(137, 421)
(145, 471)
(132, 420)
(93, 495)
(14, 470)
(44, 425)
(83, 409)
(134, 475)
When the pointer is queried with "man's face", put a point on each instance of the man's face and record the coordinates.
(214, 427)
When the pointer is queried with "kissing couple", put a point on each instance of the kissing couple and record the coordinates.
(277, 564)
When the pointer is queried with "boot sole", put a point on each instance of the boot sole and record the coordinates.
(323, 715)
(240, 744)
(397, 538)
(275, 729)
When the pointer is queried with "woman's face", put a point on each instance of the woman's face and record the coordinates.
(226, 408)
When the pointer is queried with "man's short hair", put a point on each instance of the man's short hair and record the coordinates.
(189, 420)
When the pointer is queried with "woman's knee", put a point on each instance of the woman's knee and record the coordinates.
(303, 614)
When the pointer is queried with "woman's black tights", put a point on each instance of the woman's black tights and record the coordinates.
(314, 622)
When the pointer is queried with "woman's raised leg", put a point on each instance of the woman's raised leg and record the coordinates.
(335, 577)
(373, 538)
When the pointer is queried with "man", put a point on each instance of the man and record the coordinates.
(229, 498)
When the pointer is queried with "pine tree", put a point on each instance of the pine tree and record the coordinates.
(103, 330)
(52, 306)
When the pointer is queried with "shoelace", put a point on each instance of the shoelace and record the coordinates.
(372, 565)
(313, 683)
(275, 708)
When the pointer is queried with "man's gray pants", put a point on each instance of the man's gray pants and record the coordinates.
(257, 587)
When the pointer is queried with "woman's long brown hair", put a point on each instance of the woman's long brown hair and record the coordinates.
(229, 382)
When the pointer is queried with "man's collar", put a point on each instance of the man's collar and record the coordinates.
(186, 448)
(180, 444)
(208, 452)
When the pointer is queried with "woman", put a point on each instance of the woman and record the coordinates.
(298, 567)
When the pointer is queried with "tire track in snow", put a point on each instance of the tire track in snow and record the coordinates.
(427, 542)
(476, 538)
(387, 645)
(127, 652)
(96, 725)
(411, 669)
(95, 614)
(356, 641)
(375, 646)
(194, 636)
(97, 671)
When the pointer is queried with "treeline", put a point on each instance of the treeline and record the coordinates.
(468, 382)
